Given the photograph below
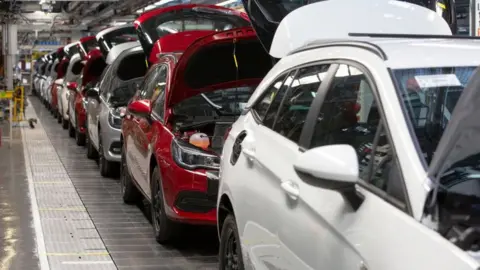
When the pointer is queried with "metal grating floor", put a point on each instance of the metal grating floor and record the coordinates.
(85, 223)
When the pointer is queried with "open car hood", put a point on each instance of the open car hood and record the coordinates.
(281, 25)
(94, 66)
(85, 45)
(154, 24)
(460, 139)
(113, 36)
(209, 64)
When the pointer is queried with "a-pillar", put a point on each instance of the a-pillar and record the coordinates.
(12, 49)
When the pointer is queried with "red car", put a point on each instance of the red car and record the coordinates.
(174, 127)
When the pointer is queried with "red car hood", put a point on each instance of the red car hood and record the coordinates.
(222, 60)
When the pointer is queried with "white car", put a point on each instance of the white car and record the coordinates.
(74, 71)
(338, 161)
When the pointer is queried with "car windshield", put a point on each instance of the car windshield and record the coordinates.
(116, 37)
(430, 95)
(217, 103)
(188, 20)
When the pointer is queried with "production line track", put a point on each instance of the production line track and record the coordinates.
(124, 230)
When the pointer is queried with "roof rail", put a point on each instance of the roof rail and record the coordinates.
(351, 43)
(386, 35)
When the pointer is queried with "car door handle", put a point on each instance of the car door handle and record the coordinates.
(249, 153)
(291, 189)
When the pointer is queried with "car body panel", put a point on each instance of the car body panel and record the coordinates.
(63, 91)
(148, 36)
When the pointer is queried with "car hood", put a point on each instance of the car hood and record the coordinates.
(85, 45)
(154, 24)
(113, 36)
(221, 60)
(460, 138)
(280, 25)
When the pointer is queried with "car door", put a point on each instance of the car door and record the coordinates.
(96, 105)
(274, 124)
(157, 96)
(137, 141)
(335, 230)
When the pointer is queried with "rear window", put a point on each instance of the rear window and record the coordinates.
(131, 67)
(188, 20)
(116, 37)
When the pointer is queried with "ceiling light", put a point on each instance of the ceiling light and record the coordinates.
(224, 3)
(118, 23)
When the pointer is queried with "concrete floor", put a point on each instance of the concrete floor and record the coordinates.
(82, 219)
(17, 245)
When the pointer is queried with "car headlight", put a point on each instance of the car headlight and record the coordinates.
(115, 117)
(189, 157)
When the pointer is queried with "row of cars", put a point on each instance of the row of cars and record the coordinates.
(346, 147)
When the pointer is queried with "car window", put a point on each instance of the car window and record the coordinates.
(159, 91)
(104, 86)
(350, 115)
(147, 87)
(262, 106)
(295, 105)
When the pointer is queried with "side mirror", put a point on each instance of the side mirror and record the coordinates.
(140, 107)
(333, 167)
(72, 86)
(92, 92)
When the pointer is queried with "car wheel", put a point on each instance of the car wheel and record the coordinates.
(65, 123)
(71, 130)
(230, 253)
(130, 193)
(107, 168)
(79, 137)
(91, 151)
(164, 229)
(59, 117)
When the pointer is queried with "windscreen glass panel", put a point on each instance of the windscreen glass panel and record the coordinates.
(72, 51)
(188, 20)
(429, 96)
(229, 101)
(116, 37)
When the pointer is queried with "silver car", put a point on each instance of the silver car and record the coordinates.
(106, 104)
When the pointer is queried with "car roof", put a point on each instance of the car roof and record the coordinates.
(417, 53)
(401, 53)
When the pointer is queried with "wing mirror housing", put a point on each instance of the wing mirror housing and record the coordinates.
(333, 167)
(72, 86)
(140, 107)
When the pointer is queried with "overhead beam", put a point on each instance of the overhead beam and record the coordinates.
(70, 1)
(48, 27)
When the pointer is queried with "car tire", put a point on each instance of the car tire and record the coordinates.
(107, 168)
(71, 130)
(79, 137)
(230, 252)
(65, 123)
(130, 193)
(164, 229)
(91, 151)
(59, 117)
